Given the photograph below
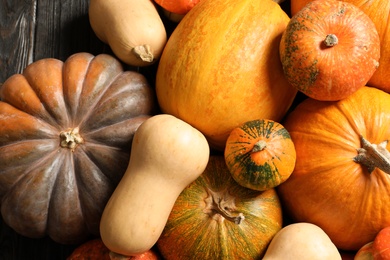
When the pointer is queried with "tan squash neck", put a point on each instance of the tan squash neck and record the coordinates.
(373, 156)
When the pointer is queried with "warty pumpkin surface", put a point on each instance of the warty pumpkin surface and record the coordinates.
(379, 12)
(215, 218)
(341, 178)
(221, 67)
(260, 154)
(65, 135)
(329, 50)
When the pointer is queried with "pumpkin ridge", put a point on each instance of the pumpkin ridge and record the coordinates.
(106, 84)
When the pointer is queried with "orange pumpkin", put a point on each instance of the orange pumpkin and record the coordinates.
(215, 218)
(177, 6)
(379, 12)
(341, 179)
(260, 154)
(329, 50)
(95, 249)
(66, 130)
(221, 67)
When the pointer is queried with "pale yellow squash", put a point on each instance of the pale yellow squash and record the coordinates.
(167, 155)
(132, 28)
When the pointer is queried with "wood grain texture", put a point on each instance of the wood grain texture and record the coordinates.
(31, 30)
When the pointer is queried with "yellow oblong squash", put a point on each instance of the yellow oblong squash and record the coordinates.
(221, 67)
(167, 154)
(132, 28)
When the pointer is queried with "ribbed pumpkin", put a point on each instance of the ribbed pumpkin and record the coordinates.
(379, 12)
(341, 179)
(215, 218)
(260, 154)
(221, 67)
(329, 50)
(65, 135)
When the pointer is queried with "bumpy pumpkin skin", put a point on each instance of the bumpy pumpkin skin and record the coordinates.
(320, 69)
(221, 67)
(47, 188)
(260, 154)
(379, 12)
(327, 187)
(195, 229)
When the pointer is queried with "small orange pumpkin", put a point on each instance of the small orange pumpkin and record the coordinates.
(341, 178)
(260, 154)
(329, 50)
(379, 12)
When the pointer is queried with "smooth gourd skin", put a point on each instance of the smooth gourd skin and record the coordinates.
(46, 187)
(126, 24)
(167, 155)
(260, 154)
(328, 187)
(303, 241)
(379, 12)
(221, 67)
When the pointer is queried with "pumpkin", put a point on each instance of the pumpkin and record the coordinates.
(178, 7)
(260, 154)
(65, 135)
(221, 67)
(341, 178)
(95, 249)
(379, 13)
(329, 50)
(215, 218)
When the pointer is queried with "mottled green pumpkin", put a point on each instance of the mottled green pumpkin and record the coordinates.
(216, 218)
(260, 154)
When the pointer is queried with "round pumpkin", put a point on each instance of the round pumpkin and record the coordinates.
(95, 249)
(379, 13)
(221, 67)
(65, 135)
(215, 218)
(341, 178)
(260, 154)
(329, 50)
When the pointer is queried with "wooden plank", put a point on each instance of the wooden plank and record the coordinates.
(17, 24)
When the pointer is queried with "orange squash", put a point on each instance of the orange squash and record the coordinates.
(329, 50)
(221, 67)
(260, 154)
(215, 218)
(379, 13)
(177, 6)
(341, 179)
(95, 249)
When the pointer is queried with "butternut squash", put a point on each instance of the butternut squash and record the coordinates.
(303, 241)
(167, 154)
(132, 28)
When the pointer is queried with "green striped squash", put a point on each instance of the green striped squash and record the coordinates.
(260, 154)
(215, 218)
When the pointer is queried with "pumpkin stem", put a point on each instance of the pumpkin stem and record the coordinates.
(259, 146)
(224, 207)
(70, 138)
(373, 156)
(144, 52)
(331, 40)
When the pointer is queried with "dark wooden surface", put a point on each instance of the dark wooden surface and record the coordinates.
(31, 30)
